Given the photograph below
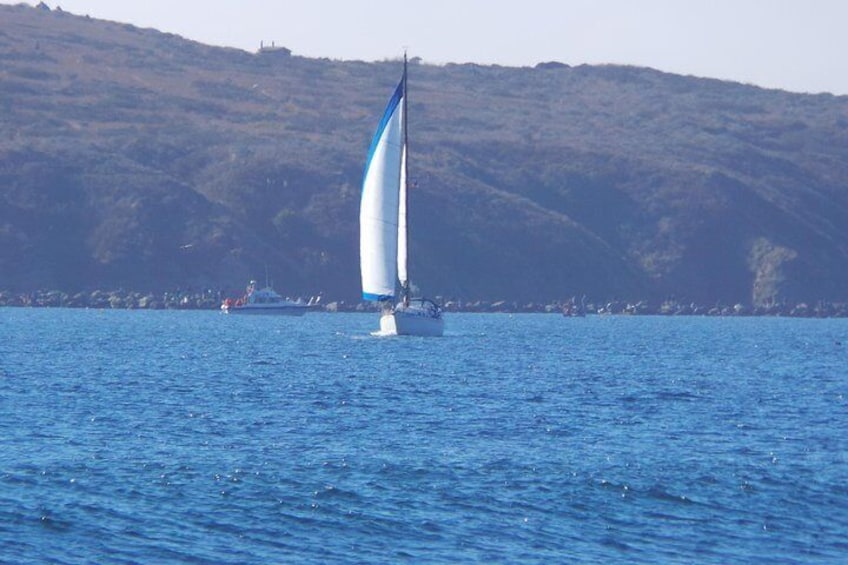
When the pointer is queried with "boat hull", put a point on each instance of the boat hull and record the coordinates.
(266, 311)
(406, 323)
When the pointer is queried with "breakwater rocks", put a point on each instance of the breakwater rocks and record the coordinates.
(115, 299)
(211, 300)
(821, 309)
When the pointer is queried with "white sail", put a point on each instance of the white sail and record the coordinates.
(378, 212)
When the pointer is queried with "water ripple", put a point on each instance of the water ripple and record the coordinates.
(172, 437)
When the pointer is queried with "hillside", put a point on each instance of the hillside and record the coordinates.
(135, 159)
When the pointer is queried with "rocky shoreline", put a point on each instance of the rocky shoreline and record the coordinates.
(211, 300)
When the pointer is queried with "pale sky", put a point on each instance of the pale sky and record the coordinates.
(796, 45)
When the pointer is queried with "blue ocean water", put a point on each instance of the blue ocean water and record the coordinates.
(195, 437)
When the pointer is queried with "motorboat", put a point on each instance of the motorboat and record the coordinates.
(265, 301)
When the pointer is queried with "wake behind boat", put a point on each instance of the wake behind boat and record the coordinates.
(383, 232)
(265, 301)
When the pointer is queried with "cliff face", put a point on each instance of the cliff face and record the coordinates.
(135, 159)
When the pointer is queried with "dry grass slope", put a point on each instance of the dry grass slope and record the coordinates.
(135, 159)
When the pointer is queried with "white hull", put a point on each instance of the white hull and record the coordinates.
(289, 310)
(411, 323)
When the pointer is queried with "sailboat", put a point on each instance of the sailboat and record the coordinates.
(383, 228)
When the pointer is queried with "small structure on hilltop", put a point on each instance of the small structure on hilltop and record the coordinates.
(273, 49)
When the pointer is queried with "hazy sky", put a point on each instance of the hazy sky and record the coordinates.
(797, 45)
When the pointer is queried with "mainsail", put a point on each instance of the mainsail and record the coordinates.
(382, 212)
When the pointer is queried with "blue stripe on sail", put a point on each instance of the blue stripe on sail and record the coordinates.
(376, 297)
(391, 108)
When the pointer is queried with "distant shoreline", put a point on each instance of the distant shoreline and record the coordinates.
(211, 300)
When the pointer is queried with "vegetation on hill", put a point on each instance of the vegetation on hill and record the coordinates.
(135, 159)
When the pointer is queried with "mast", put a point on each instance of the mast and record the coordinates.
(403, 244)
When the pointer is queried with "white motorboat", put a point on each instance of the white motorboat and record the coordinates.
(264, 301)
